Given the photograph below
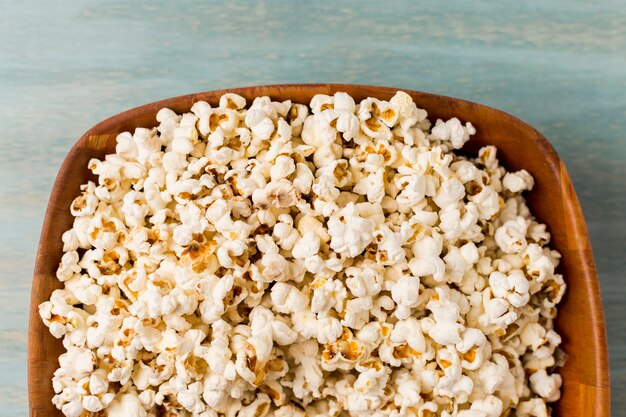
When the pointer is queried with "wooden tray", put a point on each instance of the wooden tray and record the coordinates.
(580, 322)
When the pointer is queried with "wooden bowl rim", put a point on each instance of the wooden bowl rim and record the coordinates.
(601, 397)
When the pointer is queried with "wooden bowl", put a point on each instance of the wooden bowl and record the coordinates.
(553, 201)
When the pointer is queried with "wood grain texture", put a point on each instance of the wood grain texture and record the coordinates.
(65, 65)
(580, 322)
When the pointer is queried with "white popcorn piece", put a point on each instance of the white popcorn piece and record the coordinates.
(491, 406)
(406, 295)
(127, 405)
(266, 329)
(486, 202)
(547, 386)
(327, 294)
(77, 362)
(308, 376)
(283, 167)
(497, 312)
(190, 398)
(258, 408)
(426, 260)
(68, 266)
(449, 193)
(472, 348)
(72, 408)
(86, 203)
(408, 332)
(215, 391)
(231, 253)
(284, 233)
(232, 101)
(368, 390)
(350, 233)
(511, 236)
(288, 299)
(445, 328)
(472, 413)
(277, 194)
(518, 181)
(513, 287)
(535, 407)
(215, 291)
(453, 131)
(342, 354)
(306, 247)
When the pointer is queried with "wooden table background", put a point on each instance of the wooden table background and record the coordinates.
(65, 65)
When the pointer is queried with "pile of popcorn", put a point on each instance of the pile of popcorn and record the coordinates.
(335, 259)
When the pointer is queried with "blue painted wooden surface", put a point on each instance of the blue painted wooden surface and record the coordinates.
(65, 65)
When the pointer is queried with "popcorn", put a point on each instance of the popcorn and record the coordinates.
(453, 131)
(407, 111)
(405, 293)
(511, 236)
(190, 398)
(284, 232)
(215, 391)
(547, 386)
(85, 204)
(277, 194)
(278, 259)
(288, 299)
(535, 407)
(452, 384)
(77, 362)
(450, 191)
(350, 233)
(472, 348)
(486, 201)
(306, 247)
(444, 328)
(372, 186)
(68, 266)
(126, 405)
(518, 181)
(513, 287)
(342, 354)
(497, 312)
(258, 408)
(265, 329)
(491, 406)
(327, 294)
(232, 101)
(308, 377)
(283, 167)
(215, 291)
(369, 387)
(426, 260)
